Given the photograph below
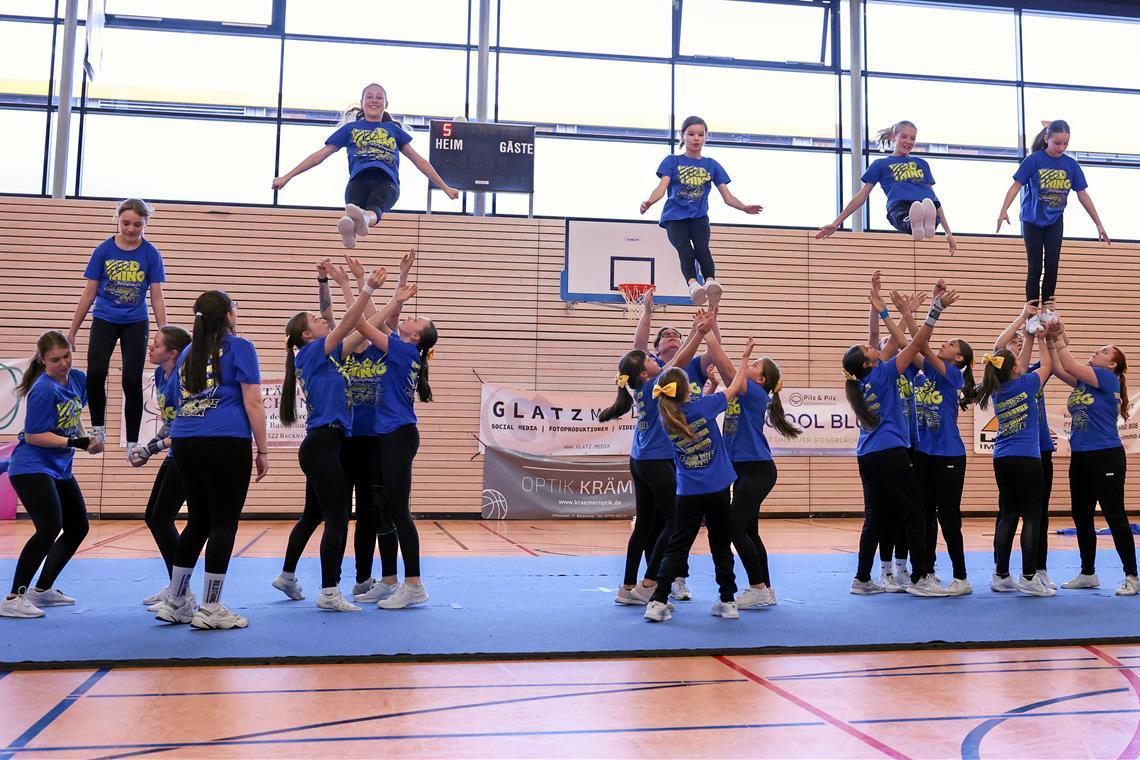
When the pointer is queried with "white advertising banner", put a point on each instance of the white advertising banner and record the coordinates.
(829, 425)
(1056, 398)
(551, 423)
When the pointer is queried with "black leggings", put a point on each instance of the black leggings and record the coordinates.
(754, 481)
(1099, 476)
(100, 345)
(1020, 483)
(54, 506)
(325, 501)
(1042, 244)
(358, 457)
(893, 542)
(691, 239)
(215, 475)
(890, 492)
(166, 498)
(714, 508)
(396, 452)
(1046, 492)
(655, 496)
(374, 190)
(940, 481)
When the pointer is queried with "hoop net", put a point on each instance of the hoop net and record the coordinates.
(634, 294)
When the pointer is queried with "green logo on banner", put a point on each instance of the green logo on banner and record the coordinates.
(8, 416)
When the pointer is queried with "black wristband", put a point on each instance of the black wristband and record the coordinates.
(322, 280)
(79, 443)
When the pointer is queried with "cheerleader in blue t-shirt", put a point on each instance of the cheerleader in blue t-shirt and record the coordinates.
(40, 470)
(374, 141)
(908, 182)
(688, 178)
(1097, 463)
(1045, 178)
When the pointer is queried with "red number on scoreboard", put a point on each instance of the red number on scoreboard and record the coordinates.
(447, 129)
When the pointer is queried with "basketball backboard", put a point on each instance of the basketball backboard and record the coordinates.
(602, 254)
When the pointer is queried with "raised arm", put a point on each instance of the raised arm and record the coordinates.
(872, 315)
(1087, 201)
(324, 293)
(858, 200)
(656, 195)
(1027, 311)
(731, 200)
(1026, 355)
(313, 159)
(406, 262)
(719, 358)
(1067, 365)
(428, 170)
(346, 325)
(644, 324)
(356, 269)
(375, 329)
(1003, 215)
(86, 298)
(738, 382)
(703, 322)
(1045, 371)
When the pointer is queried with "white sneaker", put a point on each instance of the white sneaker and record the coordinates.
(1083, 581)
(347, 229)
(289, 587)
(379, 590)
(865, 588)
(679, 590)
(658, 612)
(1033, 325)
(643, 594)
(917, 228)
(929, 217)
(161, 596)
(332, 599)
(625, 596)
(217, 617)
(1034, 587)
(714, 290)
(1130, 586)
(359, 219)
(926, 586)
(752, 598)
(53, 597)
(902, 575)
(889, 585)
(1046, 581)
(997, 583)
(959, 587)
(193, 600)
(170, 612)
(363, 587)
(18, 606)
(726, 610)
(406, 595)
(699, 295)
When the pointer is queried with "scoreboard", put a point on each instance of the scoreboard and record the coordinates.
(483, 157)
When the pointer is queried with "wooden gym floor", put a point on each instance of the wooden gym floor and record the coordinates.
(1038, 702)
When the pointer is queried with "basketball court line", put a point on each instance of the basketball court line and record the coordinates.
(1132, 751)
(508, 540)
(447, 533)
(252, 541)
(112, 539)
(50, 716)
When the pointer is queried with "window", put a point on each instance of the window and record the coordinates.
(246, 12)
(922, 39)
(966, 118)
(1085, 51)
(22, 162)
(796, 188)
(630, 27)
(1113, 192)
(443, 21)
(1102, 122)
(731, 29)
(25, 61)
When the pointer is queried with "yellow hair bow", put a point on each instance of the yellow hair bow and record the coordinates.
(997, 361)
(621, 380)
(779, 387)
(430, 354)
(669, 390)
(848, 376)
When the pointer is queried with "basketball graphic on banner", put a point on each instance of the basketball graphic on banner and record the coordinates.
(494, 505)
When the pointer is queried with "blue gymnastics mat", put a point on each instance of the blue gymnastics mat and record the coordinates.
(545, 607)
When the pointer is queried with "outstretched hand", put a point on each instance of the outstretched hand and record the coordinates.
(916, 301)
(826, 230)
(377, 277)
(752, 208)
(407, 293)
(337, 274)
(749, 347)
(704, 321)
(355, 267)
(406, 262)
(949, 298)
(876, 301)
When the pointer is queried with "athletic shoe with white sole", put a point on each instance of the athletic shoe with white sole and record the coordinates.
(889, 585)
(917, 227)
(376, 592)
(358, 217)
(289, 587)
(643, 594)
(171, 612)
(714, 290)
(406, 595)
(333, 600)
(1034, 587)
(865, 588)
(658, 612)
(347, 229)
(1130, 586)
(926, 586)
(363, 587)
(1082, 581)
(53, 597)
(997, 583)
(1046, 581)
(959, 587)
(217, 617)
(625, 596)
(752, 598)
(193, 600)
(161, 596)
(929, 217)
(726, 610)
(698, 294)
(18, 606)
(680, 590)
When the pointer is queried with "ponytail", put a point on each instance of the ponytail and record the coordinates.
(670, 408)
(772, 384)
(993, 378)
(1056, 127)
(886, 137)
(294, 329)
(46, 342)
(429, 336)
(854, 370)
(1122, 372)
(969, 389)
(211, 311)
(630, 367)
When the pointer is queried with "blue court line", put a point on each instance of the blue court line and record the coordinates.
(49, 717)
(972, 744)
(149, 747)
(415, 688)
(255, 539)
(959, 672)
(892, 668)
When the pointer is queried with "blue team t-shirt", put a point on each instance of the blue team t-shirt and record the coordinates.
(218, 410)
(51, 408)
(1015, 406)
(398, 386)
(324, 386)
(649, 438)
(124, 279)
(697, 375)
(371, 144)
(1046, 182)
(903, 178)
(744, 425)
(937, 399)
(702, 462)
(1094, 412)
(1044, 432)
(690, 181)
(881, 392)
(909, 381)
(364, 372)
(166, 395)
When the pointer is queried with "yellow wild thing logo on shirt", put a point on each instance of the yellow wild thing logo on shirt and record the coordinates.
(1054, 179)
(68, 414)
(375, 144)
(693, 180)
(118, 270)
(908, 172)
(363, 380)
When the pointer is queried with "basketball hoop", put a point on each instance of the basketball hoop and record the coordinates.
(634, 294)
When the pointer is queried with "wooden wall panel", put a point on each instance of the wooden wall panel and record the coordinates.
(491, 285)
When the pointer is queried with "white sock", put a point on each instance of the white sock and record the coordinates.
(212, 588)
(179, 582)
(885, 567)
(288, 576)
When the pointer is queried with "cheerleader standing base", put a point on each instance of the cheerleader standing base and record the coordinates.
(551, 607)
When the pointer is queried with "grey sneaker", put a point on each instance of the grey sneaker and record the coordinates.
(1034, 587)
(363, 587)
(754, 598)
(1082, 581)
(997, 583)
(658, 612)
(406, 595)
(726, 610)
(376, 592)
(625, 596)
(959, 587)
(53, 597)
(865, 588)
(290, 587)
(679, 590)
(217, 617)
(171, 612)
(1130, 586)
(926, 586)
(18, 606)
(333, 600)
